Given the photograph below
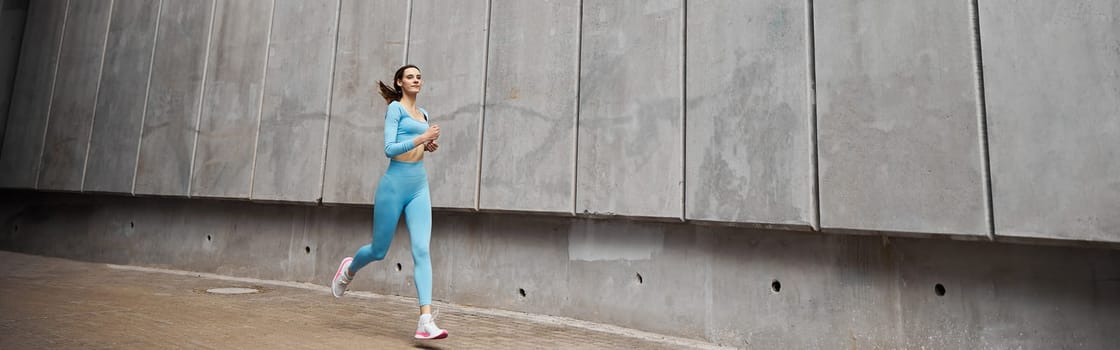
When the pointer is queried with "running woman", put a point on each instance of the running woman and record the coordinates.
(403, 189)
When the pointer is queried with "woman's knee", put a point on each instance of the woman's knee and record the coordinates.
(378, 256)
(420, 252)
(372, 253)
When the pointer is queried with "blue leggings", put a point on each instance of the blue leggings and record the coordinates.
(403, 188)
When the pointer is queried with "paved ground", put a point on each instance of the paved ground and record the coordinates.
(48, 303)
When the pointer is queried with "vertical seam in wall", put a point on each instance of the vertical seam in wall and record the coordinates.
(330, 98)
(260, 106)
(684, 109)
(201, 96)
(147, 95)
(982, 118)
(97, 95)
(407, 32)
(482, 107)
(50, 100)
(811, 87)
(575, 120)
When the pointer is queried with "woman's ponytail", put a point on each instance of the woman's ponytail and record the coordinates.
(389, 94)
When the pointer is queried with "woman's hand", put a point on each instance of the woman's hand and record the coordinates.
(430, 135)
(431, 146)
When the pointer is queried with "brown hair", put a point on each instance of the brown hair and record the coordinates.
(394, 93)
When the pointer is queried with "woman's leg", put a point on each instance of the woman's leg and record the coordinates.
(387, 206)
(418, 217)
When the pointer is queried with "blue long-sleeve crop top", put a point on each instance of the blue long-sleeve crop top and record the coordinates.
(401, 130)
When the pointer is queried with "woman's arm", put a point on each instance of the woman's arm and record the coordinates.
(392, 122)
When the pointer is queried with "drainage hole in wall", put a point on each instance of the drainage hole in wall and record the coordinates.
(208, 238)
(131, 224)
(639, 278)
(307, 250)
(776, 286)
(939, 289)
(521, 291)
(398, 266)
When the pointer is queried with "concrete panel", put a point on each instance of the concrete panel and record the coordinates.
(371, 43)
(528, 147)
(897, 117)
(749, 155)
(290, 146)
(31, 92)
(1052, 81)
(629, 157)
(452, 92)
(120, 102)
(168, 136)
(75, 94)
(227, 135)
(13, 15)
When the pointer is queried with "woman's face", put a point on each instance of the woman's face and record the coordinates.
(410, 82)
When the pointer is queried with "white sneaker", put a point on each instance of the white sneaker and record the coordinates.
(427, 329)
(341, 281)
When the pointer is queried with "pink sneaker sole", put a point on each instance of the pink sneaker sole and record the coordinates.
(427, 336)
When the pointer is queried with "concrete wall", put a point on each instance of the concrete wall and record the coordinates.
(113, 143)
(75, 94)
(296, 101)
(749, 143)
(750, 288)
(629, 149)
(228, 122)
(31, 95)
(13, 16)
(898, 122)
(1052, 81)
(834, 116)
(371, 42)
(168, 131)
(531, 101)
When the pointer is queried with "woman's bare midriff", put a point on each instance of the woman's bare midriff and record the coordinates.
(414, 155)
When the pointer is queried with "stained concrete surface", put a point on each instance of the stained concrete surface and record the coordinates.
(75, 92)
(1052, 81)
(898, 120)
(31, 94)
(748, 153)
(62, 304)
(227, 126)
(629, 157)
(371, 43)
(532, 81)
(171, 119)
(13, 17)
(292, 138)
(115, 137)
